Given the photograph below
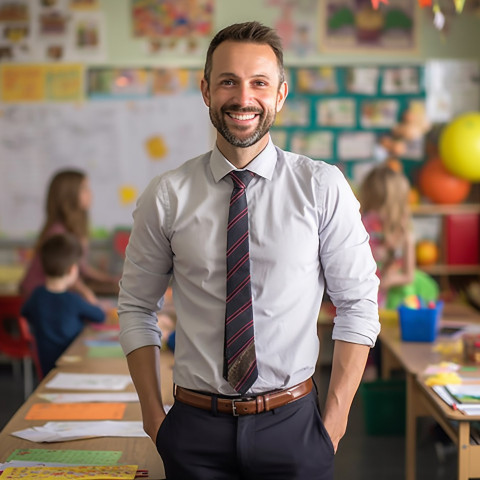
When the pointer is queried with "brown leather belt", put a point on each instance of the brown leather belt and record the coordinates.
(249, 406)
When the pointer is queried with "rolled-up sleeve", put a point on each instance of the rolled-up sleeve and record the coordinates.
(147, 270)
(347, 263)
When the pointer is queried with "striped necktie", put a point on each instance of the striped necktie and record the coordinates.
(240, 367)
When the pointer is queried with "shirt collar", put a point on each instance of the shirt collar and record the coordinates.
(263, 164)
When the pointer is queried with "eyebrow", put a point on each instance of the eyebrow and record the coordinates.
(257, 75)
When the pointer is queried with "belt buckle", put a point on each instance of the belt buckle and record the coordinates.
(234, 408)
(239, 400)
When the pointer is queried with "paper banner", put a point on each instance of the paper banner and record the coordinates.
(22, 83)
(64, 82)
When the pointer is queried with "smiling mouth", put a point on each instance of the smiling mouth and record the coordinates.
(245, 116)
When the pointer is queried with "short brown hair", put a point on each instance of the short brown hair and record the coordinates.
(58, 253)
(253, 32)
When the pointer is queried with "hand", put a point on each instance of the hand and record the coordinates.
(152, 427)
(336, 430)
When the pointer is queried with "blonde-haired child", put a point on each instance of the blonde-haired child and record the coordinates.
(383, 197)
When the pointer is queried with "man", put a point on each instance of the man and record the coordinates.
(250, 237)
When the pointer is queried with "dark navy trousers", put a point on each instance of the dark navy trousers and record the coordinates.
(288, 443)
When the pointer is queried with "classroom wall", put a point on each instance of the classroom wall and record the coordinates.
(461, 40)
(103, 124)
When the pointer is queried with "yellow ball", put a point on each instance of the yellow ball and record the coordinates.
(459, 146)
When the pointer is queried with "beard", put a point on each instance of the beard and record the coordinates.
(266, 119)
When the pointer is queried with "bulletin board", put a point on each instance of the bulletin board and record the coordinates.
(337, 114)
(122, 133)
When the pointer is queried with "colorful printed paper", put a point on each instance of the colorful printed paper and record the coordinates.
(121, 472)
(76, 411)
(76, 457)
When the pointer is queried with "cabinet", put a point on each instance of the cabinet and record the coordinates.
(457, 238)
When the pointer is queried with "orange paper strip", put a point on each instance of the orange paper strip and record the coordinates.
(76, 411)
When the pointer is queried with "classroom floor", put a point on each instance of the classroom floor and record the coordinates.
(360, 456)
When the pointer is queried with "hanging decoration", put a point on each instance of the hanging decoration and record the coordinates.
(448, 8)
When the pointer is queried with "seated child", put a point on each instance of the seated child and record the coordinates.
(55, 314)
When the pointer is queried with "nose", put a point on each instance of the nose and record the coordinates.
(243, 94)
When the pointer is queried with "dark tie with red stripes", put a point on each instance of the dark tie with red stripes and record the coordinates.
(240, 367)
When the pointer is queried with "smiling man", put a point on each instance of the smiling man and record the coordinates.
(250, 237)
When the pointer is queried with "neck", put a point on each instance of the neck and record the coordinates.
(57, 285)
(241, 157)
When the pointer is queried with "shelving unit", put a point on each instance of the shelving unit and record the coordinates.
(446, 272)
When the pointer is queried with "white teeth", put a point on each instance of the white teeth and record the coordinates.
(242, 117)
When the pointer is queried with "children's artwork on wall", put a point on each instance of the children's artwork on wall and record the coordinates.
(84, 4)
(379, 113)
(166, 81)
(296, 21)
(279, 138)
(336, 112)
(400, 80)
(40, 82)
(171, 18)
(172, 25)
(356, 145)
(314, 144)
(294, 112)
(353, 25)
(122, 83)
(452, 88)
(51, 31)
(317, 80)
(15, 30)
(345, 128)
(363, 80)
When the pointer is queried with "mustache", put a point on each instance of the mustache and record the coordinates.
(235, 108)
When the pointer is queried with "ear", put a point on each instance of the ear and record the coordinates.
(74, 269)
(205, 92)
(282, 95)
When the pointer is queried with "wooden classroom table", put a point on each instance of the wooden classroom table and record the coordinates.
(136, 451)
(414, 357)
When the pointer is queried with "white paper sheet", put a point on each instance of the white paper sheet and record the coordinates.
(89, 397)
(64, 431)
(89, 381)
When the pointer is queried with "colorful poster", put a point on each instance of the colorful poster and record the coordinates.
(51, 31)
(64, 82)
(122, 83)
(22, 83)
(297, 24)
(172, 18)
(355, 25)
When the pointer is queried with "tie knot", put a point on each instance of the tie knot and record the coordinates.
(241, 178)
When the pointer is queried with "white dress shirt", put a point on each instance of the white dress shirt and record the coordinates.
(306, 235)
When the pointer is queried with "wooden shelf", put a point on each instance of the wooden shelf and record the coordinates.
(434, 209)
(446, 273)
(443, 269)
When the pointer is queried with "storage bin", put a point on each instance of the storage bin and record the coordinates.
(384, 403)
(419, 325)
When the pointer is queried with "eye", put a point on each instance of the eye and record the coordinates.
(227, 82)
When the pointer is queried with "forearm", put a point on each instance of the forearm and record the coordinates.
(348, 365)
(144, 366)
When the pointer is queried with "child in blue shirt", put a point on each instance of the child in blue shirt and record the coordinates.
(55, 314)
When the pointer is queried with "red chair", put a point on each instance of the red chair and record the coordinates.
(17, 342)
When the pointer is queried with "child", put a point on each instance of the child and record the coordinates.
(68, 202)
(55, 314)
(383, 197)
